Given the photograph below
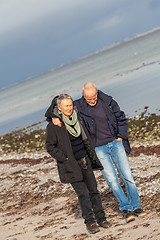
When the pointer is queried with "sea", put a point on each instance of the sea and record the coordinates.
(129, 71)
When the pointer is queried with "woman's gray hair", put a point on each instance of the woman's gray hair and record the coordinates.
(61, 97)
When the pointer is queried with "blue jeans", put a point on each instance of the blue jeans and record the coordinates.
(112, 154)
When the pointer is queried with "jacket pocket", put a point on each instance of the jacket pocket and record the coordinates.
(67, 166)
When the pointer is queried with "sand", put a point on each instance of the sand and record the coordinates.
(35, 205)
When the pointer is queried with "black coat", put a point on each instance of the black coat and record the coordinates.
(58, 145)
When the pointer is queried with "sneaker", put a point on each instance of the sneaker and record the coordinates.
(105, 224)
(139, 212)
(93, 228)
(129, 215)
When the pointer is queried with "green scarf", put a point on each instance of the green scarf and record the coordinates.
(72, 124)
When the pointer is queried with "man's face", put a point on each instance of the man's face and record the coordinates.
(91, 97)
(66, 107)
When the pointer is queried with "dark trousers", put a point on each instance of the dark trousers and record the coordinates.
(88, 196)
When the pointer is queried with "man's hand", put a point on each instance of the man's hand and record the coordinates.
(57, 122)
(119, 139)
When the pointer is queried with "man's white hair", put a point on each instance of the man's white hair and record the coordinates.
(89, 87)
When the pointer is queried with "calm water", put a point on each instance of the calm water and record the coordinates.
(130, 72)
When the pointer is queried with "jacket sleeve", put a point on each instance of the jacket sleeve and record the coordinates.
(121, 120)
(52, 144)
(49, 113)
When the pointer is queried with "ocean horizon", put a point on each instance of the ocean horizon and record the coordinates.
(128, 71)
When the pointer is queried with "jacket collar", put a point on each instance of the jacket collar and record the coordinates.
(84, 107)
(83, 104)
(104, 97)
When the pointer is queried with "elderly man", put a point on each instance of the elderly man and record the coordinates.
(72, 147)
(107, 126)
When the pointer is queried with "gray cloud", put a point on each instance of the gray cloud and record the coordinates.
(36, 35)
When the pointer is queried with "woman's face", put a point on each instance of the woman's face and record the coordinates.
(66, 107)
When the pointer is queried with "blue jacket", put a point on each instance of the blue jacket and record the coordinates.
(117, 121)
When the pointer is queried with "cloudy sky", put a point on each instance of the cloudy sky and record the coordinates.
(38, 35)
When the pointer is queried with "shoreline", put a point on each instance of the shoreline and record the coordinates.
(137, 148)
(143, 129)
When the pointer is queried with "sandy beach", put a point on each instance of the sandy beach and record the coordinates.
(35, 205)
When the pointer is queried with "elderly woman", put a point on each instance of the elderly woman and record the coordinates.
(71, 146)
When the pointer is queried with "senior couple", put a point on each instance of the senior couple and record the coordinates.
(91, 134)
